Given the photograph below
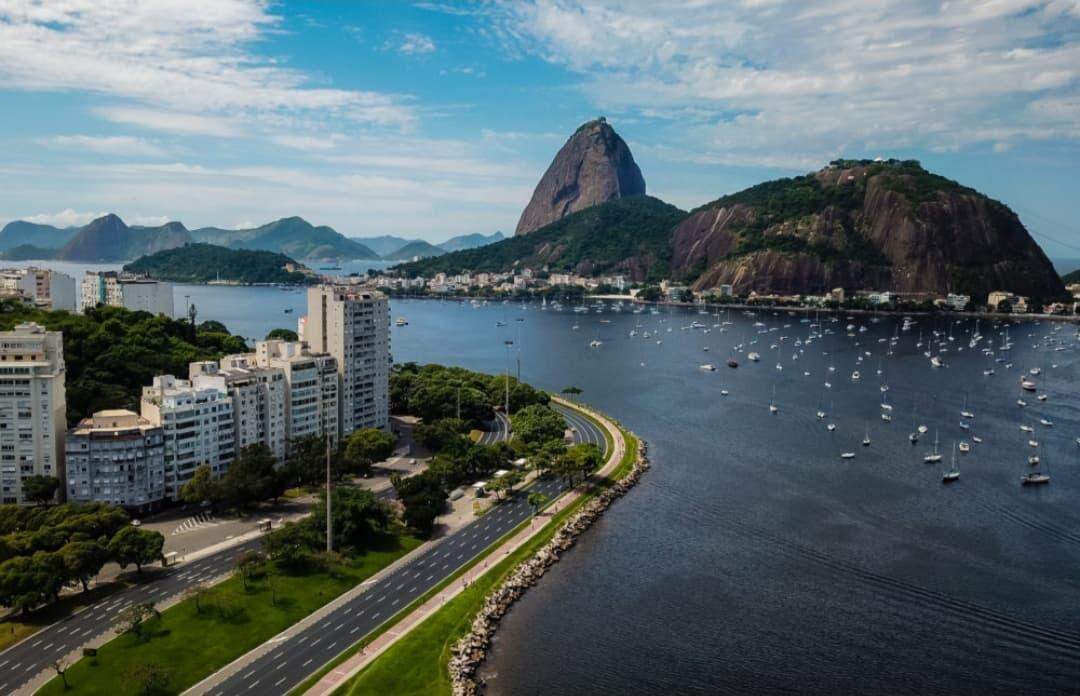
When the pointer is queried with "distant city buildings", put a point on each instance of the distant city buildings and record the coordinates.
(998, 300)
(119, 289)
(352, 324)
(33, 409)
(44, 288)
(116, 457)
(196, 417)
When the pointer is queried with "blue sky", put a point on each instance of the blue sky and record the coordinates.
(433, 119)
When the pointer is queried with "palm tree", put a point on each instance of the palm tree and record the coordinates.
(536, 501)
(571, 391)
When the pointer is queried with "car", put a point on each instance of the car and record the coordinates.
(136, 523)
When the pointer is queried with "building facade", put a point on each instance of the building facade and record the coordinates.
(33, 409)
(116, 457)
(196, 417)
(259, 397)
(312, 386)
(352, 324)
(46, 289)
(118, 289)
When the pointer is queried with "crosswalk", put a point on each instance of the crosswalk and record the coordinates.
(203, 519)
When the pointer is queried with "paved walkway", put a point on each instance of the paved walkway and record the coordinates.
(350, 667)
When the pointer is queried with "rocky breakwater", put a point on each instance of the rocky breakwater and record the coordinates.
(470, 652)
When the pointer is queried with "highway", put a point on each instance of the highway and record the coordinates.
(22, 661)
(500, 427)
(303, 651)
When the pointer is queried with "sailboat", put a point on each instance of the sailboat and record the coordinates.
(964, 412)
(935, 456)
(1036, 477)
(953, 474)
(866, 437)
(773, 408)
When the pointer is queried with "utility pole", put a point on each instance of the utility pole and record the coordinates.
(329, 517)
(458, 401)
(507, 406)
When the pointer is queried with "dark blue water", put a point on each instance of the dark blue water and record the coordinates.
(752, 558)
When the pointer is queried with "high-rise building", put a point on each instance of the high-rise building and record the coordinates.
(260, 397)
(196, 417)
(33, 410)
(312, 379)
(45, 288)
(353, 325)
(118, 289)
(116, 457)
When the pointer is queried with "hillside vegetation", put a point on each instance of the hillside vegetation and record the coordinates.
(201, 263)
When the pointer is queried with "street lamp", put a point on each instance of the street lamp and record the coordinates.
(509, 345)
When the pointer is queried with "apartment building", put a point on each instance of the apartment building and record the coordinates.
(312, 385)
(352, 324)
(33, 410)
(116, 457)
(45, 288)
(118, 289)
(196, 417)
(259, 394)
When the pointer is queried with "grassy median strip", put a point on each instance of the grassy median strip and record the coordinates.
(14, 629)
(416, 665)
(190, 641)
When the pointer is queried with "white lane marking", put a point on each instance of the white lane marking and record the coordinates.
(307, 663)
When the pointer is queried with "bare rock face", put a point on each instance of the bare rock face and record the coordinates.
(862, 225)
(594, 166)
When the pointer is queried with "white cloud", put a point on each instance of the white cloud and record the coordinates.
(783, 82)
(191, 58)
(307, 143)
(64, 218)
(170, 121)
(415, 44)
(149, 220)
(106, 145)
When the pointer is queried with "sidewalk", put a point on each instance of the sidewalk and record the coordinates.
(350, 667)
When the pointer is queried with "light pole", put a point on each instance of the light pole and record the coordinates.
(458, 416)
(506, 408)
(329, 518)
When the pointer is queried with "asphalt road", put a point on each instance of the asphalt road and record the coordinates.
(25, 659)
(499, 429)
(304, 651)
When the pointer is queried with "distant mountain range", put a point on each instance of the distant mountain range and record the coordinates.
(108, 239)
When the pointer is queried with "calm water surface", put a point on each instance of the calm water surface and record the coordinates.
(751, 558)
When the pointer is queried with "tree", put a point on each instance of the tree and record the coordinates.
(572, 391)
(536, 501)
(543, 458)
(28, 581)
(535, 425)
(201, 487)
(357, 514)
(133, 619)
(586, 458)
(293, 544)
(365, 447)
(251, 477)
(40, 489)
(83, 560)
(248, 565)
(132, 545)
(198, 594)
(282, 335)
(151, 678)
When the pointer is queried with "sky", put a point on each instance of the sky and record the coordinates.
(432, 119)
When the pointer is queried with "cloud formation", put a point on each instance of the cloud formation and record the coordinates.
(786, 83)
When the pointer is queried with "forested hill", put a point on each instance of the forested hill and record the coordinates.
(112, 353)
(627, 235)
(202, 263)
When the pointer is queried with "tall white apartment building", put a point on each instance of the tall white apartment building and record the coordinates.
(117, 457)
(353, 325)
(45, 288)
(260, 398)
(126, 290)
(33, 409)
(196, 418)
(312, 379)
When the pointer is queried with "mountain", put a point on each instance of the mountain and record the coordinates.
(108, 239)
(27, 252)
(202, 263)
(412, 250)
(19, 232)
(1070, 278)
(594, 166)
(860, 224)
(384, 244)
(470, 241)
(631, 236)
(293, 236)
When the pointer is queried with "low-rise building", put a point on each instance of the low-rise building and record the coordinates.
(118, 289)
(197, 422)
(957, 302)
(33, 408)
(116, 457)
(45, 288)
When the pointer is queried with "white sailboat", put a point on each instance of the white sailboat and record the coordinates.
(953, 474)
(935, 456)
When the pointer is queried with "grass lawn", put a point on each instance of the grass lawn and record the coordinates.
(416, 665)
(191, 645)
(17, 628)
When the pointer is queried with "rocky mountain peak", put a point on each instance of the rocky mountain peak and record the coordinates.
(594, 166)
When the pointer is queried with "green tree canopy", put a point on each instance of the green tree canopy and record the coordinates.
(132, 545)
(367, 446)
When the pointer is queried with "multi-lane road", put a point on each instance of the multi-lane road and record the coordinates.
(302, 651)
